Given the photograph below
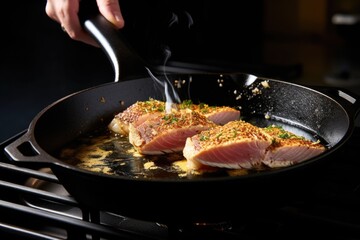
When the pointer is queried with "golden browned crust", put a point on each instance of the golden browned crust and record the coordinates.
(231, 132)
(204, 108)
(139, 108)
(181, 119)
(121, 121)
(282, 138)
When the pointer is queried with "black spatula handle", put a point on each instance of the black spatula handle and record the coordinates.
(126, 62)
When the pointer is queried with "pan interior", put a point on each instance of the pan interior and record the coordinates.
(262, 102)
(104, 152)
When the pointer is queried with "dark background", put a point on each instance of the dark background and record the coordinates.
(40, 64)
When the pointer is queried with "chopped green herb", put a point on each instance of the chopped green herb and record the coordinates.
(234, 132)
(170, 119)
(284, 135)
(186, 104)
(204, 138)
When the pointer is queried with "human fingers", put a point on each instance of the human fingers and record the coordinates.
(66, 13)
(110, 9)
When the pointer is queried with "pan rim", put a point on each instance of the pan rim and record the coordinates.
(347, 134)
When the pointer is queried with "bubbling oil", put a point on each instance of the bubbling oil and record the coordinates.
(104, 152)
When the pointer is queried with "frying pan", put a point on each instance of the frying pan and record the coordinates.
(322, 112)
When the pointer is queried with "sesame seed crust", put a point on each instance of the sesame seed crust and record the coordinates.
(231, 132)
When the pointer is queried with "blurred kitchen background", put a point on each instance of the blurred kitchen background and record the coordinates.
(301, 41)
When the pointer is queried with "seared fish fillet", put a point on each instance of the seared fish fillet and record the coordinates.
(288, 148)
(218, 114)
(138, 111)
(141, 110)
(235, 145)
(238, 145)
(166, 133)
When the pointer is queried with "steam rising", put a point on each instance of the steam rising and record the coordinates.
(190, 19)
(166, 86)
(174, 19)
(171, 95)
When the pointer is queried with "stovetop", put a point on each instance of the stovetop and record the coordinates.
(34, 205)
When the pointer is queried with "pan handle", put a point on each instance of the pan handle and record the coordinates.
(125, 60)
(23, 150)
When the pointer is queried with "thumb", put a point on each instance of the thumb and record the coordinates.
(110, 9)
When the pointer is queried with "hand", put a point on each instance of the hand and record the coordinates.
(65, 12)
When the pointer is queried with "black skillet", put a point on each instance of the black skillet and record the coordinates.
(323, 113)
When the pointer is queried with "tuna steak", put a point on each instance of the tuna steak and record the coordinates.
(137, 112)
(239, 144)
(288, 148)
(141, 110)
(235, 145)
(166, 133)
